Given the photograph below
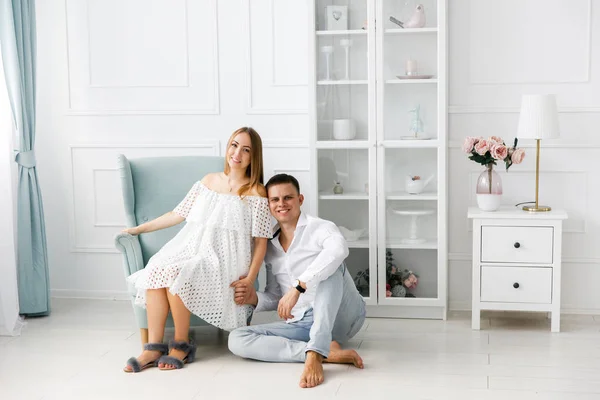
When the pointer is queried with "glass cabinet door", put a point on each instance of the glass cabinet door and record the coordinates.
(344, 132)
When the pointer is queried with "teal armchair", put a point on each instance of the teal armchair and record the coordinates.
(151, 187)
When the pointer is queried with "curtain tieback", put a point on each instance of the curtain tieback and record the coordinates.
(26, 159)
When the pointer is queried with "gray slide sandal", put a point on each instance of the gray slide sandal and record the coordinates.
(135, 364)
(188, 348)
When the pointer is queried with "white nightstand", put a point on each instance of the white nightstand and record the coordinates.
(517, 261)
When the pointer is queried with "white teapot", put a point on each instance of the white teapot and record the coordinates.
(415, 185)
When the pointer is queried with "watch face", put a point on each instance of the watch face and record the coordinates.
(296, 283)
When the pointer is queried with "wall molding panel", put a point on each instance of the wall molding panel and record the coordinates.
(275, 38)
(183, 81)
(457, 109)
(281, 98)
(495, 42)
(88, 234)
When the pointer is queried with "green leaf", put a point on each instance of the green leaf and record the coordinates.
(483, 160)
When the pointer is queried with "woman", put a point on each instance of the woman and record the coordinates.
(225, 237)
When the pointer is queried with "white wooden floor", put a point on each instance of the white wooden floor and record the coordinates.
(79, 351)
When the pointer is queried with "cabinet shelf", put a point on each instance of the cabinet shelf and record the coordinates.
(344, 196)
(413, 301)
(359, 244)
(410, 81)
(401, 31)
(394, 144)
(430, 244)
(339, 33)
(407, 196)
(346, 82)
(342, 144)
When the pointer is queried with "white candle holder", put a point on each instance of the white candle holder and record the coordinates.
(346, 44)
(327, 50)
(411, 68)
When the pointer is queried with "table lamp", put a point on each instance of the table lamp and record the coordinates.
(538, 120)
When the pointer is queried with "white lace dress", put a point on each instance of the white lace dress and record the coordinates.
(213, 249)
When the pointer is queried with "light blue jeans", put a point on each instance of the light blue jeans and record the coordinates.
(338, 314)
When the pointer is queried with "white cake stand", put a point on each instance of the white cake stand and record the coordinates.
(413, 214)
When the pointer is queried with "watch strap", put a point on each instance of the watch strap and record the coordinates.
(300, 288)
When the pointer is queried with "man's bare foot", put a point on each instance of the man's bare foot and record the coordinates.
(339, 356)
(313, 370)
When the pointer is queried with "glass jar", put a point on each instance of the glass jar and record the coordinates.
(489, 189)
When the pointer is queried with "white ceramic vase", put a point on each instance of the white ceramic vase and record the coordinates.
(344, 129)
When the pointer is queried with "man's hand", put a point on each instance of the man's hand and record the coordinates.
(287, 302)
(245, 293)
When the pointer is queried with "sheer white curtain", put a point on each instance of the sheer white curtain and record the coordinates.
(10, 322)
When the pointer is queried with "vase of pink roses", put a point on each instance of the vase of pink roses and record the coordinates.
(488, 152)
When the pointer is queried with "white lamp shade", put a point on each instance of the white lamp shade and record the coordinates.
(539, 118)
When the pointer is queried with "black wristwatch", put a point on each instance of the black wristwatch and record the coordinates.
(298, 287)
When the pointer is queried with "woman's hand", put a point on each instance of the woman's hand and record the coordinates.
(287, 302)
(132, 231)
(245, 281)
(244, 292)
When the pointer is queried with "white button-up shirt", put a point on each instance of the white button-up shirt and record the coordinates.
(316, 252)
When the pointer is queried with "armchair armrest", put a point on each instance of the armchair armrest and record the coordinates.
(129, 245)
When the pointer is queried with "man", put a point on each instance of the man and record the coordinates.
(308, 285)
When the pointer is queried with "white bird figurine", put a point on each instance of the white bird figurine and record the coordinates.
(417, 20)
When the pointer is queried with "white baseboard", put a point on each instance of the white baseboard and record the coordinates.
(570, 309)
(123, 295)
(408, 312)
(565, 308)
(459, 306)
(89, 294)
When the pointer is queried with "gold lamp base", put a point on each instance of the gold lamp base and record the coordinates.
(537, 208)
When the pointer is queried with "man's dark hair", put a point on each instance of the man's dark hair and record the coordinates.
(283, 178)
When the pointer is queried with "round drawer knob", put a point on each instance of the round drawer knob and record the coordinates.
(517, 245)
(516, 285)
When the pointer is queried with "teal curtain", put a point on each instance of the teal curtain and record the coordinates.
(18, 44)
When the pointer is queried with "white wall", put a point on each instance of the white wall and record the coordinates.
(500, 49)
(177, 81)
(9, 297)
(203, 68)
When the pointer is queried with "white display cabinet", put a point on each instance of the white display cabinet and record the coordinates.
(378, 115)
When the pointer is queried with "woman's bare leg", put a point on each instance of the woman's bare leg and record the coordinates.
(157, 309)
(181, 319)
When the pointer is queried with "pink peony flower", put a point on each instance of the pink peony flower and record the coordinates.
(411, 281)
(496, 139)
(468, 144)
(517, 156)
(482, 147)
(499, 151)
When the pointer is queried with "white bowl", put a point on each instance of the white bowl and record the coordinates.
(351, 235)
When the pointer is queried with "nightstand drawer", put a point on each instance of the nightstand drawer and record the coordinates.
(516, 284)
(517, 244)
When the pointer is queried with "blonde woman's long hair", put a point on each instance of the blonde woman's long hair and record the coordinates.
(254, 171)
